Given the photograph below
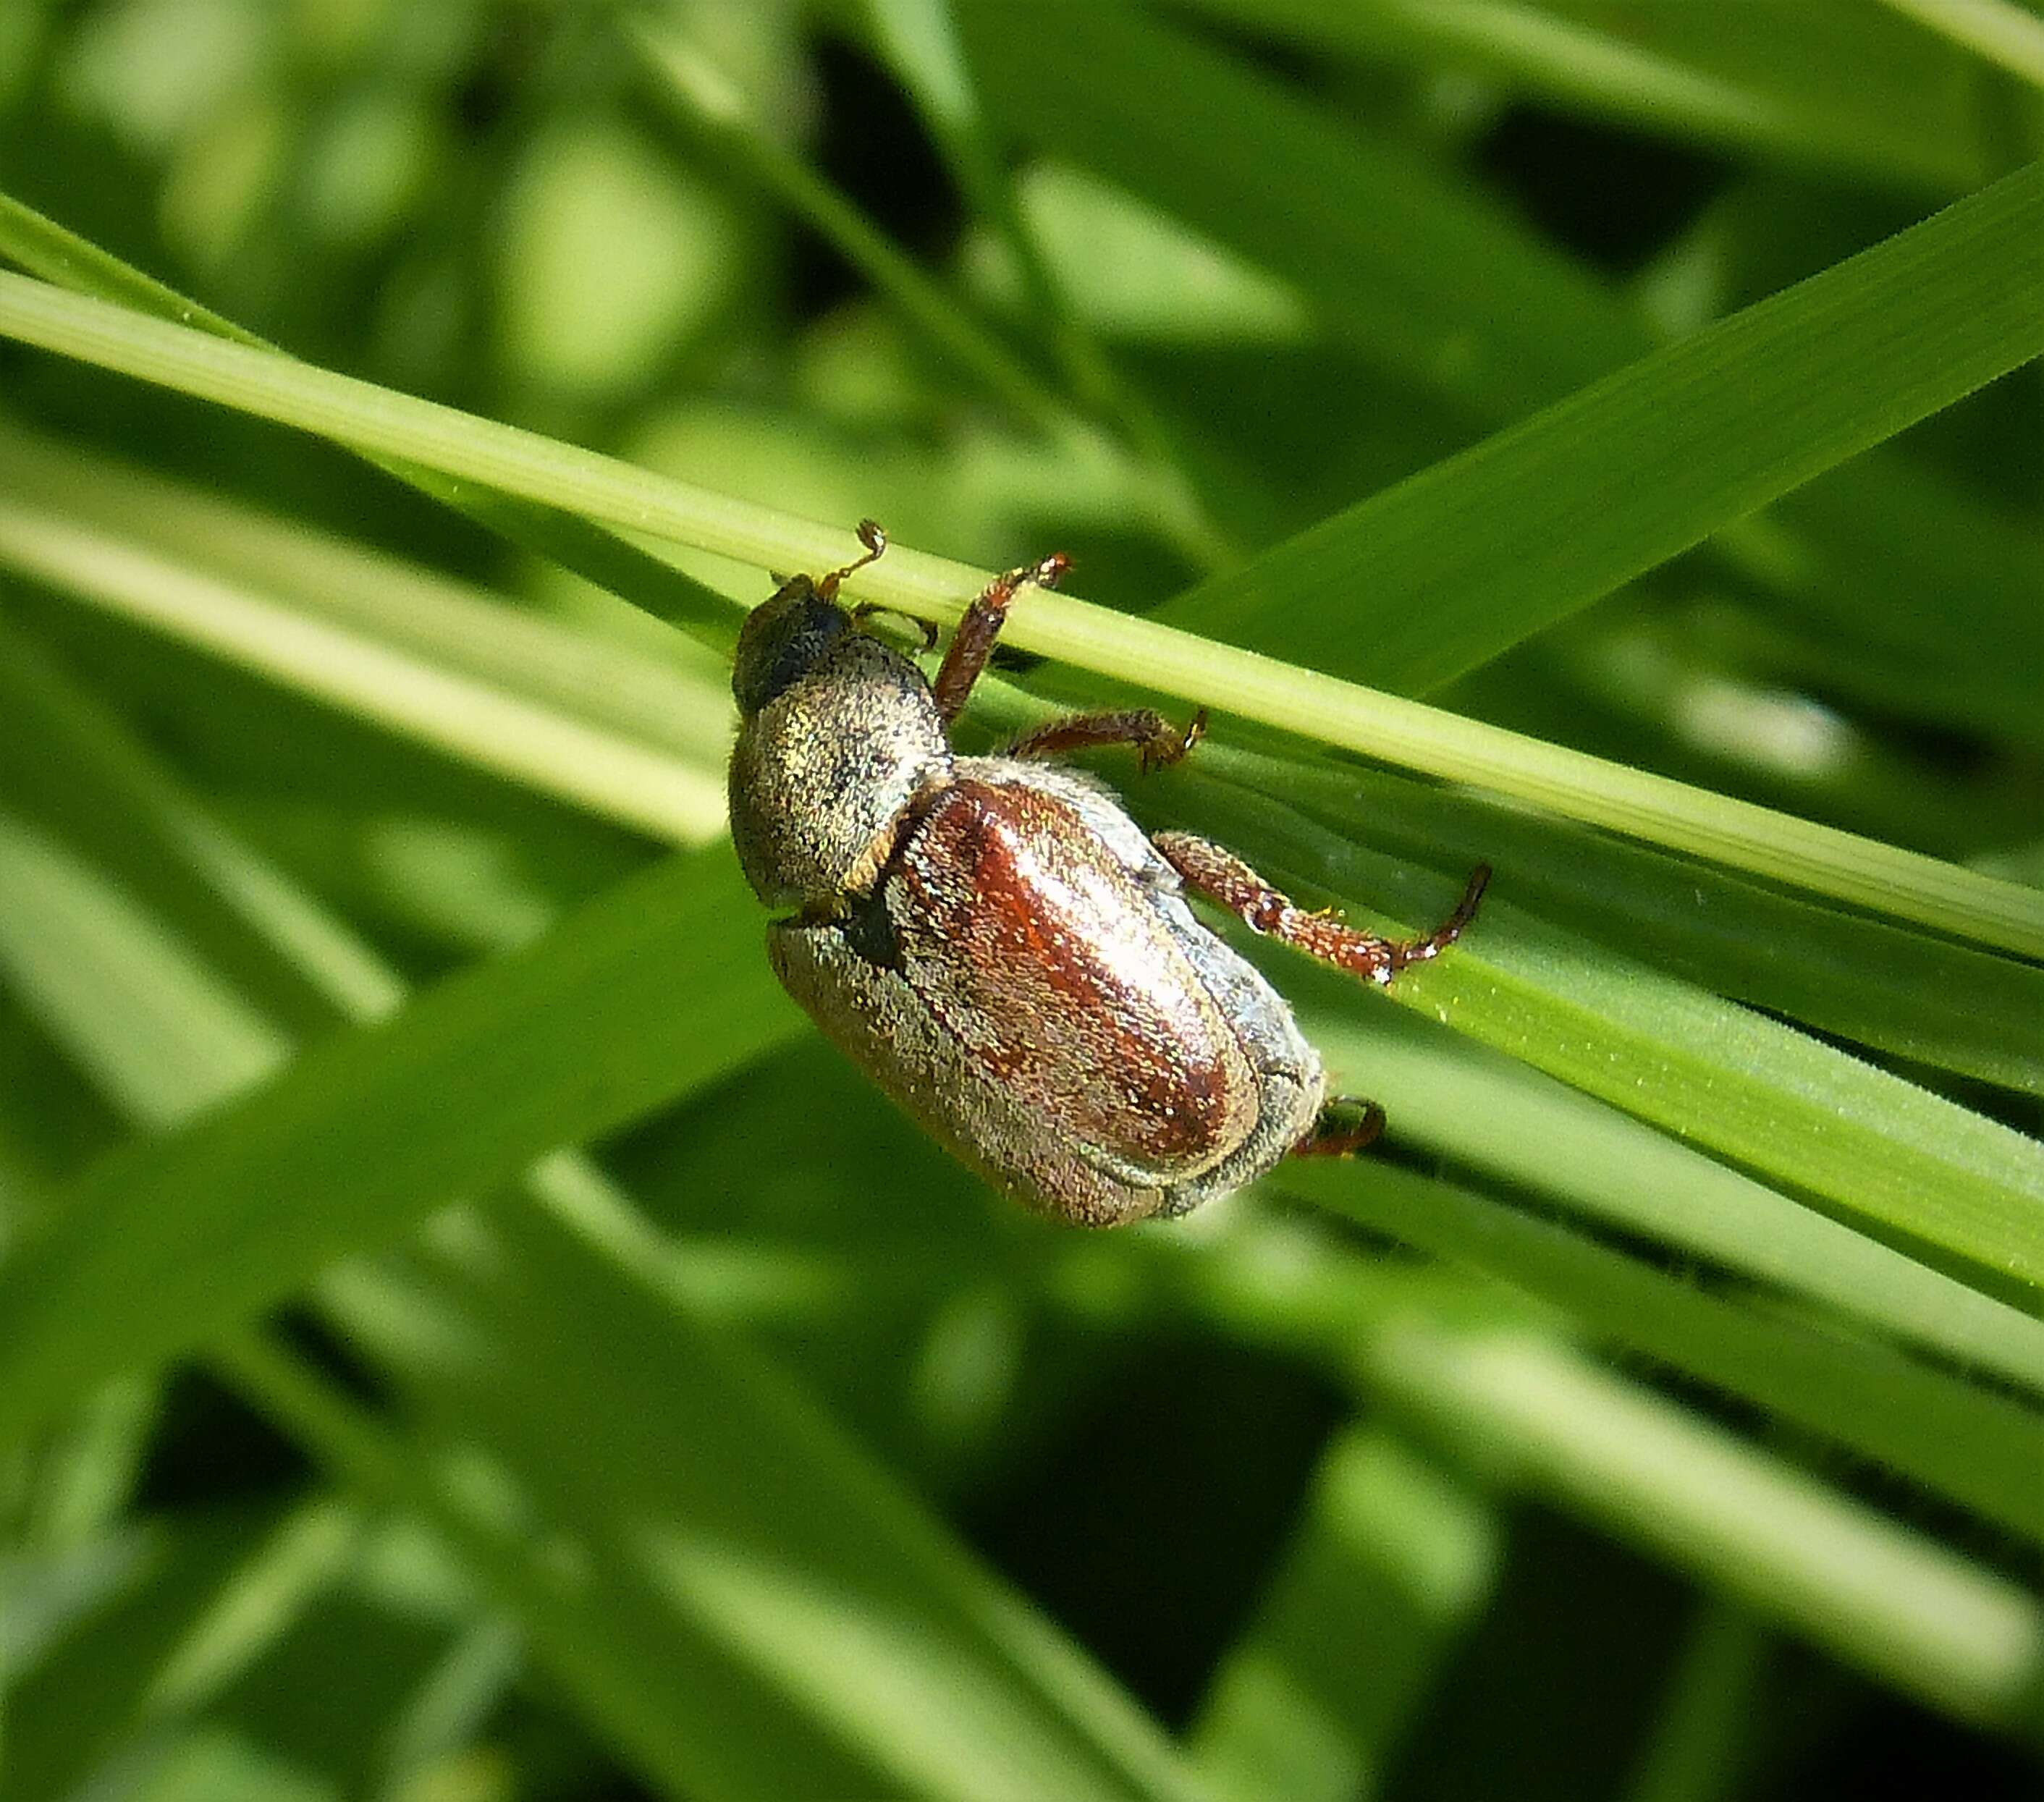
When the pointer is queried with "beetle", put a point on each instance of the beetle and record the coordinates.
(1000, 946)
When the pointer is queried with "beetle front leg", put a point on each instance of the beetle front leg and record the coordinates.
(1157, 742)
(1224, 877)
(972, 644)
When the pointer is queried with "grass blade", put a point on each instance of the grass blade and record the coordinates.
(1879, 876)
(1979, 1449)
(1474, 554)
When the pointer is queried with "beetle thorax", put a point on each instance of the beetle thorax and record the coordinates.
(822, 775)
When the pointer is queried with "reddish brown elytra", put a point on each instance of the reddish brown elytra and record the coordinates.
(1000, 946)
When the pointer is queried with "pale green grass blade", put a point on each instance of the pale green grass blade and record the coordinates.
(1889, 1156)
(2001, 31)
(1974, 1448)
(135, 973)
(1471, 555)
(675, 698)
(1921, 998)
(1393, 1559)
(45, 248)
(1390, 256)
(471, 717)
(1877, 1595)
(1450, 1100)
(1835, 86)
(657, 988)
(660, 1665)
(1877, 876)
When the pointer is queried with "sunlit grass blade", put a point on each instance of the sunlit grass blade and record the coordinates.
(643, 786)
(1976, 1448)
(660, 1665)
(1892, 1157)
(657, 987)
(1528, 1134)
(1390, 1564)
(2002, 31)
(1665, 1479)
(45, 248)
(1474, 554)
(1918, 996)
(1873, 875)
(1837, 87)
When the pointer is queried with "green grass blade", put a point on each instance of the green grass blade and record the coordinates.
(1999, 30)
(1391, 1562)
(910, 1663)
(1474, 554)
(184, 1607)
(1920, 998)
(1834, 86)
(1916, 996)
(920, 42)
(1418, 273)
(1392, 258)
(45, 248)
(998, 1699)
(1974, 1448)
(656, 988)
(1527, 1133)
(1703, 1734)
(1879, 876)
(1893, 1157)
(1879, 1595)
(583, 761)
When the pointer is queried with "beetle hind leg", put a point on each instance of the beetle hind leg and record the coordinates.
(1344, 1126)
(1157, 742)
(1222, 875)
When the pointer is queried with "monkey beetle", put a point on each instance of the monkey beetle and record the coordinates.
(1000, 946)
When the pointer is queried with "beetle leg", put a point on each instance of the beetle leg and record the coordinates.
(1222, 875)
(1341, 1130)
(972, 644)
(874, 539)
(1157, 742)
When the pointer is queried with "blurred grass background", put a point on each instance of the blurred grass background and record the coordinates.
(1657, 1417)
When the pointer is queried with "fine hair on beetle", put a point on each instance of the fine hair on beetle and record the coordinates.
(999, 945)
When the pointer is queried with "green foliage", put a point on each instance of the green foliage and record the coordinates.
(459, 1335)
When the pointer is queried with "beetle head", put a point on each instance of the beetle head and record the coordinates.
(781, 640)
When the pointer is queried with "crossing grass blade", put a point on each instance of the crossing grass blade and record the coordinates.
(1875, 875)
(744, 1497)
(1474, 554)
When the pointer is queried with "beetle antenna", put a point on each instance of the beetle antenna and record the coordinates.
(875, 541)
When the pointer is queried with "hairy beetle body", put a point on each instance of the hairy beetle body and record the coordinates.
(1000, 946)
(1037, 993)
